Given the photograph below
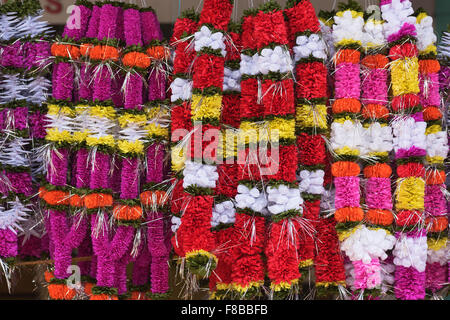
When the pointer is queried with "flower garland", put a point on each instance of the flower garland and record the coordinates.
(346, 129)
(63, 116)
(224, 211)
(311, 119)
(283, 195)
(181, 125)
(444, 81)
(375, 238)
(437, 149)
(153, 194)
(112, 251)
(24, 53)
(247, 273)
(410, 148)
(200, 172)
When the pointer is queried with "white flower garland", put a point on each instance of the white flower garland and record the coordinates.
(198, 174)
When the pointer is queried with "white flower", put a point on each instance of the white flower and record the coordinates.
(437, 144)
(274, 60)
(283, 199)
(377, 138)
(181, 89)
(306, 46)
(232, 80)
(311, 181)
(206, 39)
(223, 212)
(253, 199)
(199, 174)
(365, 244)
(408, 133)
(347, 134)
(411, 252)
(347, 27)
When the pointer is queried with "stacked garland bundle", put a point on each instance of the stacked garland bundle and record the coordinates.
(153, 194)
(200, 171)
(247, 274)
(329, 262)
(24, 54)
(410, 252)
(375, 239)
(278, 109)
(346, 129)
(224, 210)
(437, 149)
(181, 94)
(67, 226)
(311, 120)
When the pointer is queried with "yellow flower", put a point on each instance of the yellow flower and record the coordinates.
(136, 147)
(105, 140)
(201, 252)
(243, 289)
(127, 118)
(355, 14)
(430, 49)
(250, 132)
(79, 137)
(420, 16)
(312, 116)
(348, 42)
(435, 160)
(54, 109)
(410, 193)
(155, 130)
(178, 158)
(227, 147)
(206, 107)
(284, 127)
(347, 151)
(436, 244)
(53, 134)
(306, 263)
(433, 129)
(103, 112)
(283, 285)
(405, 76)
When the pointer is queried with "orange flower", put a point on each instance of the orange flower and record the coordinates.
(379, 217)
(88, 288)
(429, 66)
(85, 48)
(56, 198)
(346, 105)
(435, 177)
(48, 276)
(432, 113)
(103, 297)
(76, 201)
(437, 224)
(345, 169)
(136, 295)
(349, 214)
(375, 111)
(158, 52)
(60, 292)
(104, 53)
(98, 200)
(42, 191)
(65, 50)
(379, 170)
(136, 59)
(347, 56)
(377, 61)
(127, 213)
(149, 198)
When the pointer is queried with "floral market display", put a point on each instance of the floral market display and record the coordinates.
(287, 155)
